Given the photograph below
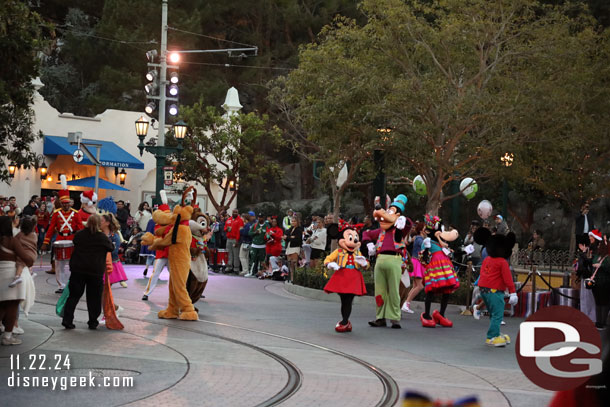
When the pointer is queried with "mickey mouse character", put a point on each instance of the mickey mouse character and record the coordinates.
(391, 253)
(347, 280)
(440, 276)
(495, 279)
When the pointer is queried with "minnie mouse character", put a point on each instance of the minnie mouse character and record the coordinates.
(391, 253)
(346, 281)
(495, 279)
(440, 276)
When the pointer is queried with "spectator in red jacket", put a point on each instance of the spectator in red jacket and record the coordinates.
(232, 227)
(273, 247)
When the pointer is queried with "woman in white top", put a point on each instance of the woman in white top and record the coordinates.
(143, 215)
(317, 241)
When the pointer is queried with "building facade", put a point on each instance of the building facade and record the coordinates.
(116, 130)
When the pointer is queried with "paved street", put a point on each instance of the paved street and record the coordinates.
(258, 345)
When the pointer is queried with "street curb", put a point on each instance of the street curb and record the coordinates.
(367, 300)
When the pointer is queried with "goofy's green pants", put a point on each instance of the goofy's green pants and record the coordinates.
(387, 282)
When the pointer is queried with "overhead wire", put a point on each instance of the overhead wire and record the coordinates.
(237, 66)
(105, 38)
(210, 37)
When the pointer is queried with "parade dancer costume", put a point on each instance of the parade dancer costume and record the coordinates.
(176, 235)
(88, 199)
(440, 277)
(495, 279)
(65, 223)
(108, 206)
(390, 250)
(198, 276)
(161, 253)
(347, 280)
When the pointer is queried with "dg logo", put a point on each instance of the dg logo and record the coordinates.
(558, 348)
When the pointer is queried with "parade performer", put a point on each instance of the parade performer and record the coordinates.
(495, 279)
(347, 280)
(107, 209)
(65, 222)
(176, 235)
(198, 276)
(161, 253)
(88, 199)
(390, 249)
(440, 277)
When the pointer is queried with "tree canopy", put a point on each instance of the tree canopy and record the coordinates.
(458, 83)
(225, 150)
(20, 42)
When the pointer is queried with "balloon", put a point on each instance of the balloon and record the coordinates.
(484, 209)
(419, 186)
(469, 188)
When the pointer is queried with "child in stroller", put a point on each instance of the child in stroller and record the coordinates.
(131, 248)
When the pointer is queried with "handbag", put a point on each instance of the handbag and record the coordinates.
(590, 282)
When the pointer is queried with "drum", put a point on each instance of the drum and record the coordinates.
(63, 249)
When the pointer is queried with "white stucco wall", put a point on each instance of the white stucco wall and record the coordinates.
(113, 125)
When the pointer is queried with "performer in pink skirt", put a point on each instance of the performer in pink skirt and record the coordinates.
(347, 280)
(110, 227)
(418, 234)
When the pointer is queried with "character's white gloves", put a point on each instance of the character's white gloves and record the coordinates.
(400, 223)
(469, 249)
(427, 243)
(513, 300)
(361, 260)
(333, 266)
(371, 248)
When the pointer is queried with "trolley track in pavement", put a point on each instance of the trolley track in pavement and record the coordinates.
(389, 397)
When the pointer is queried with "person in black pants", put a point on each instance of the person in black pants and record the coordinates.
(87, 267)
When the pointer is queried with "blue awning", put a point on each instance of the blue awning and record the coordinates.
(111, 155)
(89, 182)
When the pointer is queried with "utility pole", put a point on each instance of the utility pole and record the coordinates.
(162, 79)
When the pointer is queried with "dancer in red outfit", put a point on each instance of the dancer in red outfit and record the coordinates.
(66, 222)
(347, 280)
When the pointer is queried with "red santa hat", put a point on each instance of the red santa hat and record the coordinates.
(164, 206)
(88, 198)
(596, 234)
(64, 194)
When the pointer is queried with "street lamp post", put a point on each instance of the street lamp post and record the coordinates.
(507, 160)
(160, 151)
(379, 184)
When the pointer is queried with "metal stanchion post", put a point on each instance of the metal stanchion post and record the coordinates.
(533, 300)
(469, 288)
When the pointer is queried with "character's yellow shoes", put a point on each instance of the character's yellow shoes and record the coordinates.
(498, 341)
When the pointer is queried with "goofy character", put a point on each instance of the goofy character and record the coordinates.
(347, 280)
(440, 277)
(390, 249)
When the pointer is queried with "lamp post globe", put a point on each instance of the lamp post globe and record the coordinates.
(12, 167)
(180, 129)
(142, 127)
